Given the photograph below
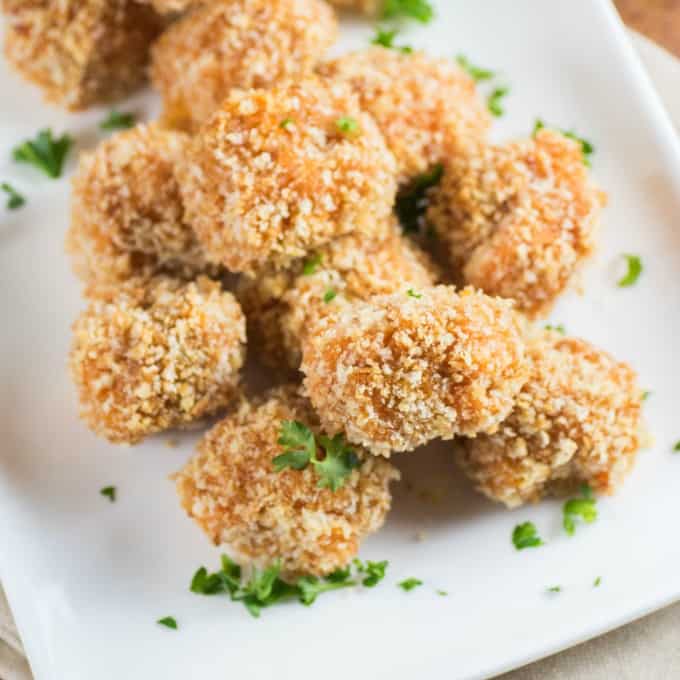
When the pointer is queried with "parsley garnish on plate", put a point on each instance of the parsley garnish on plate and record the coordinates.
(411, 293)
(311, 265)
(118, 120)
(526, 536)
(420, 10)
(330, 295)
(347, 125)
(494, 102)
(109, 492)
(634, 264)
(385, 38)
(168, 622)
(409, 584)
(587, 147)
(412, 199)
(576, 509)
(676, 448)
(44, 152)
(597, 581)
(373, 572)
(475, 72)
(14, 199)
(555, 589)
(646, 395)
(442, 593)
(559, 328)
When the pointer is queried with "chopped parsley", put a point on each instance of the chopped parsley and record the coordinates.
(597, 581)
(330, 295)
(411, 293)
(420, 10)
(409, 584)
(300, 450)
(576, 509)
(44, 152)
(587, 147)
(109, 492)
(373, 572)
(526, 536)
(347, 125)
(118, 120)
(555, 589)
(168, 622)
(495, 99)
(646, 395)
(559, 328)
(385, 38)
(311, 265)
(14, 198)
(634, 264)
(412, 199)
(287, 123)
(475, 72)
(676, 448)
(443, 593)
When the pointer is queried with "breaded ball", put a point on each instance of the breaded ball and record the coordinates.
(577, 420)
(155, 355)
(520, 219)
(277, 173)
(400, 370)
(228, 44)
(127, 217)
(281, 305)
(230, 488)
(80, 52)
(426, 108)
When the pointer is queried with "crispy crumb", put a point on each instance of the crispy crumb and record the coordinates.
(155, 355)
(395, 372)
(231, 490)
(369, 7)
(577, 420)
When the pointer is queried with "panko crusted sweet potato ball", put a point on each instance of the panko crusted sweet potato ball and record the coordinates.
(427, 108)
(155, 355)
(281, 305)
(232, 490)
(519, 219)
(80, 52)
(228, 44)
(576, 420)
(400, 370)
(277, 173)
(127, 217)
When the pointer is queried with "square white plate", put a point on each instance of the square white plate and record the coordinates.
(87, 579)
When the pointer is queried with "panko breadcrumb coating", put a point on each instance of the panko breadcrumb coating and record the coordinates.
(402, 369)
(427, 108)
(173, 6)
(127, 215)
(155, 355)
(228, 44)
(577, 420)
(370, 7)
(230, 488)
(518, 219)
(278, 173)
(281, 305)
(80, 52)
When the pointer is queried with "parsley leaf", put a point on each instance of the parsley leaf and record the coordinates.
(442, 593)
(676, 448)
(337, 464)
(579, 508)
(587, 147)
(168, 622)
(385, 38)
(409, 584)
(118, 120)
(14, 198)
(597, 582)
(311, 265)
(526, 536)
(634, 264)
(559, 328)
(475, 72)
(330, 295)
(347, 125)
(412, 199)
(646, 395)
(44, 152)
(109, 492)
(298, 442)
(494, 102)
(411, 293)
(420, 10)
(555, 589)
(374, 572)
(287, 123)
(311, 587)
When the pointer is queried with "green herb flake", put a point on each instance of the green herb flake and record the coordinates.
(442, 593)
(14, 199)
(299, 446)
(555, 589)
(475, 72)
(646, 395)
(374, 572)
(587, 148)
(411, 201)
(597, 582)
(330, 295)
(347, 125)
(287, 123)
(420, 10)
(118, 120)
(409, 584)
(168, 622)
(579, 509)
(385, 38)
(494, 102)
(526, 536)
(676, 448)
(311, 265)
(44, 152)
(634, 264)
(109, 492)
(559, 328)
(411, 293)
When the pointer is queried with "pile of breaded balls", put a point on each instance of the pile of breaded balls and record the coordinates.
(274, 164)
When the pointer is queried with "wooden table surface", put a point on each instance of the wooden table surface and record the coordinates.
(657, 19)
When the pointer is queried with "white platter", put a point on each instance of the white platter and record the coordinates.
(87, 579)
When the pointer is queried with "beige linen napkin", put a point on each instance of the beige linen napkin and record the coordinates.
(646, 649)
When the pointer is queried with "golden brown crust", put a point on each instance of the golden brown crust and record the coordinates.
(518, 219)
(80, 52)
(271, 176)
(576, 420)
(397, 371)
(228, 44)
(231, 490)
(425, 107)
(157, 354)
(369, 7)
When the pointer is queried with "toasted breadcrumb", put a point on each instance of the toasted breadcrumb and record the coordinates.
(281, 305)
(576, 420)
(127, 214)
(156, 355)
(173, 6)
(231, 490)
(272, 176)
(228, 44)
(370, 7)
(80, 52)
(519, 219)
(397, 371)
(426, 108)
